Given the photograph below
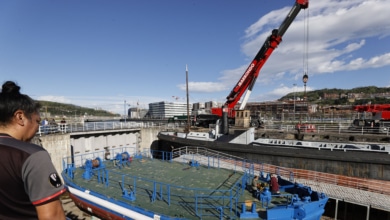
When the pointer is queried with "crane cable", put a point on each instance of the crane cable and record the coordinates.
(305, 77)
(306, 42)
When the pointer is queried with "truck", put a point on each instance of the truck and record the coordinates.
(245, 84)
(375, 118)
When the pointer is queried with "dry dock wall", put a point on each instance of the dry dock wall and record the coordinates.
(60, 145)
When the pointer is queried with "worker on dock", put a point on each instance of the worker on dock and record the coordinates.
(255, 183)
(274, 184)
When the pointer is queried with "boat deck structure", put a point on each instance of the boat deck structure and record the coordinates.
(188, 183)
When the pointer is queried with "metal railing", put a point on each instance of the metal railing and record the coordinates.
(92, 126)
(223, 200)
(360, 191)
(314, 178)
(328, 127)
(370, 185)
(320, 127)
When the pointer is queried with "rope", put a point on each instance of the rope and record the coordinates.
(305, 59)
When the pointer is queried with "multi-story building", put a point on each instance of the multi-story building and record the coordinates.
(279, 109)
(136, 112)
(331, 96)
(168, 109)
(204, 107)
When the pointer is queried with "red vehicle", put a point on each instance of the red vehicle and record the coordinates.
(307, 128)
(378, 111)
(379, 122)
(248, 79)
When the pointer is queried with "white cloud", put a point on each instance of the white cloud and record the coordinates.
(354, 46)
(355, 64)
(203, 87)
(114, 104)
(379, 61)
(338, 31)
(50, 98)
(338, 35)
(279, 92)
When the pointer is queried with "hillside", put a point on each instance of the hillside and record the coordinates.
(69, 110)
(355, 96)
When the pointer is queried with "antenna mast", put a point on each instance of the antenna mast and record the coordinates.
(188, 103)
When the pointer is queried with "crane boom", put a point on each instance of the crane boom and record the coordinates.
(248, 79)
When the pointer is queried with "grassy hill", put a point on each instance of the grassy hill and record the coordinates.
(56, 109)
(372, 94)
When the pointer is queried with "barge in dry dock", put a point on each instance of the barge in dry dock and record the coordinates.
(185, 183)
(337, 158)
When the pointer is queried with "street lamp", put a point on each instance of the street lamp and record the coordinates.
(304, 80)
(294, 99)
(124, 108)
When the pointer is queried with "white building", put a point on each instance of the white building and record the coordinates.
(136, 112)
(204, 107)
(168, 109)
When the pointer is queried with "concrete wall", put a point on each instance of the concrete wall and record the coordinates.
(59, 145)
(244, 138)
(148, 137)
(243, 118)
(90, 142)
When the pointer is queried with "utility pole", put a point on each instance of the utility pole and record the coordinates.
(188, 103)
(294, 99)
(304, 80)
(125, 111)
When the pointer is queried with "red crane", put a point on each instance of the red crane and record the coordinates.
(248, 79)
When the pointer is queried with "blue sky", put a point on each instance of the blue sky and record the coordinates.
(97, 53)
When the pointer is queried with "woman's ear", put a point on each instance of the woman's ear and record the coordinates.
(19, 117)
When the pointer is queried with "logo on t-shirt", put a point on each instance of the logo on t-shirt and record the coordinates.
(55, 180)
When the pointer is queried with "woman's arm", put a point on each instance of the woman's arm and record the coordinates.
(51, 210)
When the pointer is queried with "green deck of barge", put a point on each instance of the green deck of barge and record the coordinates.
(144, 173)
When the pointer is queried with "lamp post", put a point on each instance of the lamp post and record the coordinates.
(294, 99)
(124, 107)
(188, 104)
(305, 78)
